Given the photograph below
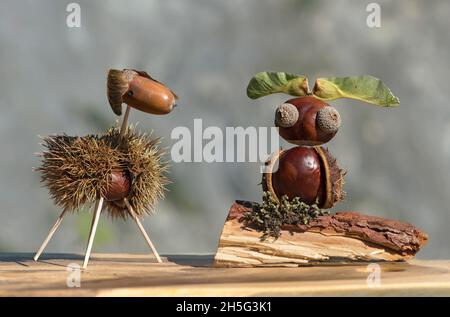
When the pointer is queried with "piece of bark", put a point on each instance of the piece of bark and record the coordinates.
(343, 237)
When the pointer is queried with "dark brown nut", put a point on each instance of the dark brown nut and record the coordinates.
(310, 173)
(119, 185)
(307, 121)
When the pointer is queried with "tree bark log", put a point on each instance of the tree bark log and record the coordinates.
(346, 236)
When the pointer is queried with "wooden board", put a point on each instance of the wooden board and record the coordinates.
(193, 275)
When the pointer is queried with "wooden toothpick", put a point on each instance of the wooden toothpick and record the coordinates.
(50, 235)
(95, 218)
(141, 228)
(129, 207)
(124, 126)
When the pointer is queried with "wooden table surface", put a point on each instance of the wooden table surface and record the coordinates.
(192, 275)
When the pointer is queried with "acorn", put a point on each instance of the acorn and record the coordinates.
(138, 90)
(309, 173)
(118, 186)
(307, 121)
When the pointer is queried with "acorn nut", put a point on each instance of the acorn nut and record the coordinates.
(138, 90)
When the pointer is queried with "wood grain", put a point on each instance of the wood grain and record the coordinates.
(193, 275)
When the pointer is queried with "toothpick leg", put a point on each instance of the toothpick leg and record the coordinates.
(124, 126)
(50, 235)
(141, 228)
(96, 217)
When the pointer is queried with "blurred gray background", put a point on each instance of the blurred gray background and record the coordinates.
(53, 81)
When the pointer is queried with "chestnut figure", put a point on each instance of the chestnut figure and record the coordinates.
(119, 185)
(310, 173)
(138, 90)
(307, 121)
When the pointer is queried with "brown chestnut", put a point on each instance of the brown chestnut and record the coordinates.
(309, 173)
(307, 121)
(138, 90)
(118, 186)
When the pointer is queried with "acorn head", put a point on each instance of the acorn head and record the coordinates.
(138, 90)
(307, 121)
(309, 173)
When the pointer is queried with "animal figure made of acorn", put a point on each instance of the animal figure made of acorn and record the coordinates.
(121, 170)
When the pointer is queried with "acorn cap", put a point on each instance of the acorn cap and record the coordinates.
(117, 85)
(286, 115)
(328, 120)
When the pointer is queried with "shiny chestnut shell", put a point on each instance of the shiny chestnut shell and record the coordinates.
(118, 186)
(307, 129)
(309, 173)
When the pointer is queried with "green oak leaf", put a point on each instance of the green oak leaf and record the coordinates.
(364, 88)
(267, 83)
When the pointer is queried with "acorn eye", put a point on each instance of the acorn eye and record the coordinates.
(286, 115)
(328, 120)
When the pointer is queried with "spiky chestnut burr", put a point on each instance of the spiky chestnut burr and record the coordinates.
(307, 121)
(309, 173)
(79, 170)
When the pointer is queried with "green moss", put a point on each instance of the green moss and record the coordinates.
(270, 215)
